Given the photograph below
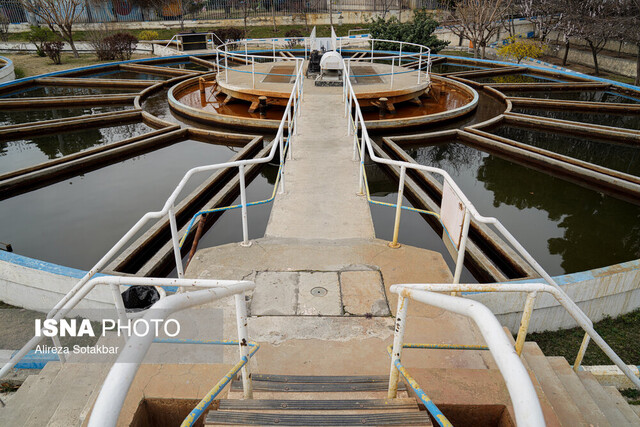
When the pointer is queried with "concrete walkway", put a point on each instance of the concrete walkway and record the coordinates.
(321, 181)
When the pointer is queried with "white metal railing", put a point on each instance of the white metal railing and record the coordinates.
(84, 285)
(244, 51)
(357, 123)
(521, 390)
(209, 41)
(115, 387)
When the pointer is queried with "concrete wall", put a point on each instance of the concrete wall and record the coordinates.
(607, 291)
(7, 72)
(522, 27)
(622, 66)
(38, 285)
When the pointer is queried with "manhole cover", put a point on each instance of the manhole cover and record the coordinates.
(318, 292)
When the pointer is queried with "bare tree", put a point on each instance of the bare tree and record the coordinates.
(478, 20)
(543, 14)
(58, 15)
(629, 28)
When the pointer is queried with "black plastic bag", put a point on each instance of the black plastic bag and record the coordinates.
(138, 298)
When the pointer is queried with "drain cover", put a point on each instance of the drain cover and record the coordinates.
(318, 292)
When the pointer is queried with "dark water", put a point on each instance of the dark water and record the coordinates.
(588, 95)
(75, 222)
(187, 66)
(127, 75)
(43, 91)
(621, 157)
(567, 228)
(14, 117)
(27, 152)
(626, 121)
(513, 78)
(445, 67)
(414, 230)
(228, 228)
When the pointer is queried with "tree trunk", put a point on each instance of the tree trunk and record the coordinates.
(67, 35)
(637, 81)
(566, 53)
(484, 50)
(594, 53)
(331, 12)
(273, 15)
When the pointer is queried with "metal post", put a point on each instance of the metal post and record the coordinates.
(524, 323)
(246, 51)
(243, 200)
(349, 108)
(253, 74)
(273, 42)
(462, 248)
(420, 65)
(176, 244)
(393, 61)
(280, 146)
(355, 142)
(400, 56)
(372, 51)
(305, 48)
(226, 64)
(120, 308)
(581, 352)
(218, 61)
(398, 339)
(243, 338)
(396, 226)
(363, 142)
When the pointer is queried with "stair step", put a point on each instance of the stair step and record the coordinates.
(562, 404)
(621, 403)
(314, 387)
(254, 418)
(310, 379)
(579, 394)
(35, 387)
(602, 399)
(318, 405)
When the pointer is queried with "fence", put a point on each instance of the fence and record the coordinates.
(179, 10)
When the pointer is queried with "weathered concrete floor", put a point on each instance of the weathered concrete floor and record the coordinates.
(321, 181)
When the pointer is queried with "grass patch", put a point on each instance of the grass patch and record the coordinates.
(19, 72)
(456, 53)
(5, 306)
(632, 395)
(30, 64)
(621, 333)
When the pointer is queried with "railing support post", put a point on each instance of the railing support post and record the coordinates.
(363, 142)
(396, 225)
(253, 74)
(243, 337)
(462, 248)
(524, 323)
(581, 352)
(393, 61)
(420, 65)
(176, 243)
(281, 148)
(226, 64)
(243, 201)
(398, 340)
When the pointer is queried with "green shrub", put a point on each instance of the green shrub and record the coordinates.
(39, 36)
(419, 31)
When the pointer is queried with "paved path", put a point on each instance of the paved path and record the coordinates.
(321, 181)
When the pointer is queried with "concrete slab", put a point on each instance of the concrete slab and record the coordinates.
(319, 294)
(363, 293)
(275, 294)
(321, 181)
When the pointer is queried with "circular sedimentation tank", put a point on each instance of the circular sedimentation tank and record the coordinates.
(551, 153)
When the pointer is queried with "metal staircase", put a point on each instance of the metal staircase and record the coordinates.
(317, 401)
